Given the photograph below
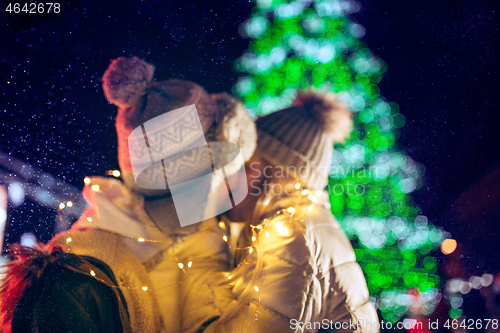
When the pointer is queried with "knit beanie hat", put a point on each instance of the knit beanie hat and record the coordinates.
(300, 138)
(128, 83)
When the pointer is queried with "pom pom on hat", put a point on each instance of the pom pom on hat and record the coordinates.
(328, 111)
(126, 81)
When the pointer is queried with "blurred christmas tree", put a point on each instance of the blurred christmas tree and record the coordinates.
(303, 43)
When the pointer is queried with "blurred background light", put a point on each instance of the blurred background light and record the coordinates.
(448, 246)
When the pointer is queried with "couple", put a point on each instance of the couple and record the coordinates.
(274, 262)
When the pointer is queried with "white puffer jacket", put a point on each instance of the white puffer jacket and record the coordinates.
(309, 278)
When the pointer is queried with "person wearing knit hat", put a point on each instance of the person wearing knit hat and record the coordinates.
(294, 268)
(179, 141)
(130, 240)
(128, 84)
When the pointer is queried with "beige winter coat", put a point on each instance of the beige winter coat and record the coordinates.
(116, 230)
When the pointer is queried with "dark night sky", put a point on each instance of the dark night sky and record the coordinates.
(442, 71)
(443, 63)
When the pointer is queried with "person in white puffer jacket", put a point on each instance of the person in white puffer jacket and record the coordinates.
(295, 269)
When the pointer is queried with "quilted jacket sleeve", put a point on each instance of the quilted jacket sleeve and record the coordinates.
(309, 281)
(342, 283)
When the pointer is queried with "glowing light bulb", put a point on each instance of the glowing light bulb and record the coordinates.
(281, 229)
(62, 205)
(310, 207)
(181, 265)
(92, 273)
(116, 173)
(259, 227)
(89, 219)
(224, 238)
(267, 234)
(190, 264)
(68, 240)
(222, 225)
(305, 192)
(256, 288)
(95, 187)
(145, 288)
(69, 204)
(291, 210)
(297, 186)
(86, 180)
(141, 239)
(312, 198)
(253, 238)
(229, 277)
(250, 250)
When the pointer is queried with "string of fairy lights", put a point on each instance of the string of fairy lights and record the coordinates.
(264, 227)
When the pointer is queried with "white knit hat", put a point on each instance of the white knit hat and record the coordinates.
(128, 83)
(300, 138)
(177, 142)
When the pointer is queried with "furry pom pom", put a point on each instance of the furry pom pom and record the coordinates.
(235, 125)
(332, 114)
(126, 80)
